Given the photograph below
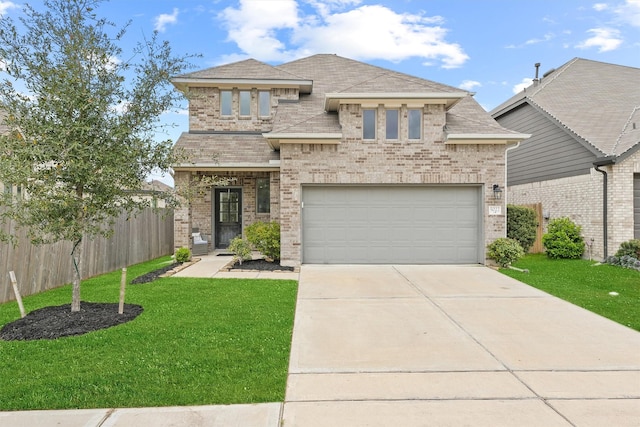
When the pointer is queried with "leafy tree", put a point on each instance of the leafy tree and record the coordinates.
(83, 128)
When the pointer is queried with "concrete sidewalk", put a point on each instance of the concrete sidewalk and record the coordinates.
(422, 345)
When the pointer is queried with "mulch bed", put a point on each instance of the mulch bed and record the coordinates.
(149, 277)
(260, 264)
(53, 322)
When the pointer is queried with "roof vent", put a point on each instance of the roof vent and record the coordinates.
(548, 72)
(536, 80)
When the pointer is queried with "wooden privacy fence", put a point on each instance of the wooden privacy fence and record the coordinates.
(38, 268)
(537, 247)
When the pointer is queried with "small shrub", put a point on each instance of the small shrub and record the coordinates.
(630, 248)
(265, 237)
(183, 255)
(505, 251)
(625, 261)
(241, 248)
(563, 239)
(522, 225)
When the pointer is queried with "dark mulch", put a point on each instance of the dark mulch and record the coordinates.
(53, 322)
(260, 264)
(150, 277)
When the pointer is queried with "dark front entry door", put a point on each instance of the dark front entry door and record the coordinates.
(228, 215)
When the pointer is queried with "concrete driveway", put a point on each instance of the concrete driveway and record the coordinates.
(453, 346)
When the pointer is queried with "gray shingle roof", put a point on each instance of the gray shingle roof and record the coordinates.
(597, 101)
(226, 149)
(467, 116)
(247, 69)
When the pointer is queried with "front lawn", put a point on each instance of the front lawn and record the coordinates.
(198, 342)
(586, 285)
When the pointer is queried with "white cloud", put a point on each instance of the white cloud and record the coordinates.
(165, 19)
(280, 31)
(545, 38)
(629, 12)
(599, 7)
(5, 6)
(469, 84)
(605, 39)
(525, 83)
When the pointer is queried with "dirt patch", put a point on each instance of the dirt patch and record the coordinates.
(260, 264)
(53, 322)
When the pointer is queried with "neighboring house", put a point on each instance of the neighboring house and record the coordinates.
(582, 160)
(155, 191)
(358, 164)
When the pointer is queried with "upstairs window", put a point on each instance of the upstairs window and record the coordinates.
(415, 124)
(264, 103)
(263, 195)
(392, 124)
(245, 103)
(226, 103)
(368, 124)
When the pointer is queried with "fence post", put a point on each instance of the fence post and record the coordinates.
(123, 282)
(14, 284)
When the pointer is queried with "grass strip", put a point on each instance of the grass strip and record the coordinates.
(585, 284)
(198, 342)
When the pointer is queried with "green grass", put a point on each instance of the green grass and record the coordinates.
(586, 285)
(198, 341)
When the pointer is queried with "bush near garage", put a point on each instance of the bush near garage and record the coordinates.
(522, 225)
(629, 248)
(265, 238)
(505, 251)
(563, 239)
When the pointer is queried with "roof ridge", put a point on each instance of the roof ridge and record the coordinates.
(626, 125)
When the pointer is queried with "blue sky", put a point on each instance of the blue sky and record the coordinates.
(485, 46)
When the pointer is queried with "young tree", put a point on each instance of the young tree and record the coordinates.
(82, 122)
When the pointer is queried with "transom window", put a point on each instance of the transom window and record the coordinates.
(245, 103)
(415, 124)
(264, 103)
(392, 124)
(226, 102)
(368, 124)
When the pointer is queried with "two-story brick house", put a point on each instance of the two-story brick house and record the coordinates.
(359, 164)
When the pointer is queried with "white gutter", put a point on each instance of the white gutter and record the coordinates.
(506, 151)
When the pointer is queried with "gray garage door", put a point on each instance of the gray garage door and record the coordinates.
(391, 224)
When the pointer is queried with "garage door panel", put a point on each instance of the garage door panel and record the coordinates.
(391, 224)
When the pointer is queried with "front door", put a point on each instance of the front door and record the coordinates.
(228, 215)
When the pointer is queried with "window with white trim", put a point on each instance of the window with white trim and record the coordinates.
(264, 103)
(226, 101)
(392, 124)
(415, 124)
(245, 103)
(368, 124)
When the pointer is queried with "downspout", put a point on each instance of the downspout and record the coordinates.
(606, 161)
(513, 147)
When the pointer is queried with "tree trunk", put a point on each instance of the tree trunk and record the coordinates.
(76, 257)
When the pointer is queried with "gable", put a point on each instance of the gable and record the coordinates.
(550, 153)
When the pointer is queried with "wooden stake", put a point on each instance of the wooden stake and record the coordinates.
(123, 282)
(16, 291)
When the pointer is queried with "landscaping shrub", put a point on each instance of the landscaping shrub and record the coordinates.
(241, 248)
(265, 237)
(625, 261)
(630, 248)
(563, 239)
(522, 225)
(505, 251)
(183, 255)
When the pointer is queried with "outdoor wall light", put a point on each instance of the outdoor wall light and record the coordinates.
(497, 192)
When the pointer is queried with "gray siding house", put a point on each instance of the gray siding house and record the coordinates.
(582, 160)
(358, 164)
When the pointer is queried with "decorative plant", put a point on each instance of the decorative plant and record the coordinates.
(630, 248)
(563, 239)
(505, 251)
(183, 255)
(522, 225)
(241, 249)
(265, 238)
